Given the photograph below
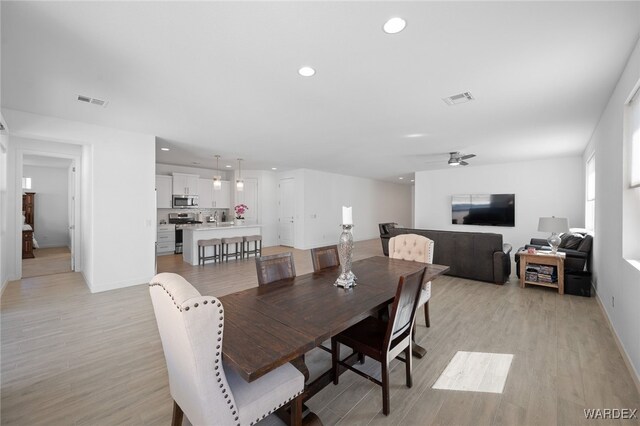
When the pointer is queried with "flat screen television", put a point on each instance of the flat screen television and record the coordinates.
(483, 209)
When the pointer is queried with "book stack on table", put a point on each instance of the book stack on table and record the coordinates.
(541, 273)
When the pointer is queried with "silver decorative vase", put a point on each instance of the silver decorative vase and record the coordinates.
(347, 279)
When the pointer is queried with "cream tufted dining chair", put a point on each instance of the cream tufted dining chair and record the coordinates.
(202, 387)
(417, 249)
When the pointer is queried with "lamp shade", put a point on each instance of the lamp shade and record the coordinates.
(553, 224)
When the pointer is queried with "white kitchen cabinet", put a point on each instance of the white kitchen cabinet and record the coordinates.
(166, 239)
(163, 191)
(222, 197)
(184, 184)
(205, 193)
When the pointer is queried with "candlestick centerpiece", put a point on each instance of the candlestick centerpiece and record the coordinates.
(347, 278)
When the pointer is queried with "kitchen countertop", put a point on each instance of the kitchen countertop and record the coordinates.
(209, 227)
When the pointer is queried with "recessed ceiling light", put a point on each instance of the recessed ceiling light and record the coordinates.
(413, 180)
(400, 178)
(274, 168)
(394, 25)
(414, 135)
(306, 71)
(228, 166)
(164, 149)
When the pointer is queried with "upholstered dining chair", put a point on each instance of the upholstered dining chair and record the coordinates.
(275, 267)
(203, 388)
(324, 257)
(418, 249)
(384, 341)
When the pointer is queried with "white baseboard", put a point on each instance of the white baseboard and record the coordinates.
(116, 285)
(625, 356)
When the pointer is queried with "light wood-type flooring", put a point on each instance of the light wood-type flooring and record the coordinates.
(72, 357)
(47, 261)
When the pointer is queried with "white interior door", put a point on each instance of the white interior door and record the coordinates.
(286, 212)
(249, 197)
(72, 214)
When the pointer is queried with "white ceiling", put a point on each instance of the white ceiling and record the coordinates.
(222, 78)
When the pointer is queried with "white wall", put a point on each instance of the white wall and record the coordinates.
(117, 242)
(616, 277)
(267, 202)
(321, 195)
(51, 227)
(553, 187)
(4, 241)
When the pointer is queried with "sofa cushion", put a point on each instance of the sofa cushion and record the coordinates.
(585, 245)
(571, 241)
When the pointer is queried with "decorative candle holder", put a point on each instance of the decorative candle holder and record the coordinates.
(347, 279)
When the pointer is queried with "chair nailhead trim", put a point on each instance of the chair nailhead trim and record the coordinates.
(225, 392)
(275, 408)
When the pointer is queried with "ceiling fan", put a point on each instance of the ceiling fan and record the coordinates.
(457, 159)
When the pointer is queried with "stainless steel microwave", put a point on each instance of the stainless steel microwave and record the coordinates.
(185, 201)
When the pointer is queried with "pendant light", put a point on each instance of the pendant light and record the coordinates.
(239, 182)
(217, 179)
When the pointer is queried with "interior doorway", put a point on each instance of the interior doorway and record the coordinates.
(286, 212)
(48, 212)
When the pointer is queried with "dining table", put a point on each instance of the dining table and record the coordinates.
(270, 325)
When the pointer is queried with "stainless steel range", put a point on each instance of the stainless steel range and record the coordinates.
(182, 220)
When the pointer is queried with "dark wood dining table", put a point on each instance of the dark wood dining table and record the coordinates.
(270, 325)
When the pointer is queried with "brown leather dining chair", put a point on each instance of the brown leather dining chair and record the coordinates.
(324, 257)
(384, 341)
(275, 268)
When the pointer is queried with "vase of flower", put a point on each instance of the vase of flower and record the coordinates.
(240, 209)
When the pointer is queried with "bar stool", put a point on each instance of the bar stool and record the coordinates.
(257, 251)
(216, 243)
(239, 250)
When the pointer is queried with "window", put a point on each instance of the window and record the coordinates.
(634, 116)
(26, 183)
(590, 212)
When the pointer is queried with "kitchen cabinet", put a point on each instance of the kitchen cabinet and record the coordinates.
(210, 198)
(184, 184)
(205, 193)
(222, 197)
(163, 192)
(166, 239)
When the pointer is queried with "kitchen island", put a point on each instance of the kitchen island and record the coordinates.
(192, 234)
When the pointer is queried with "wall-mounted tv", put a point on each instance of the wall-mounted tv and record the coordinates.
(483, 209)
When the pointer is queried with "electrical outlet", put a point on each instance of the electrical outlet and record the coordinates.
(613, 301)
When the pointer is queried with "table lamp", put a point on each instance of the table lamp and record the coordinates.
(555, 225)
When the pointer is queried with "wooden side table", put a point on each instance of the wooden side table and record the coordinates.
(542, 258)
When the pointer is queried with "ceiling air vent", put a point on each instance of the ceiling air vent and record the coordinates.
(458, 99)
(93, 101)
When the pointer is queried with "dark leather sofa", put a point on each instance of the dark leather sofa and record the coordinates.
(474, 255)
(577, 244)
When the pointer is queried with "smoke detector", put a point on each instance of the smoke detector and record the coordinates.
(93, 101)
(460, 98)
